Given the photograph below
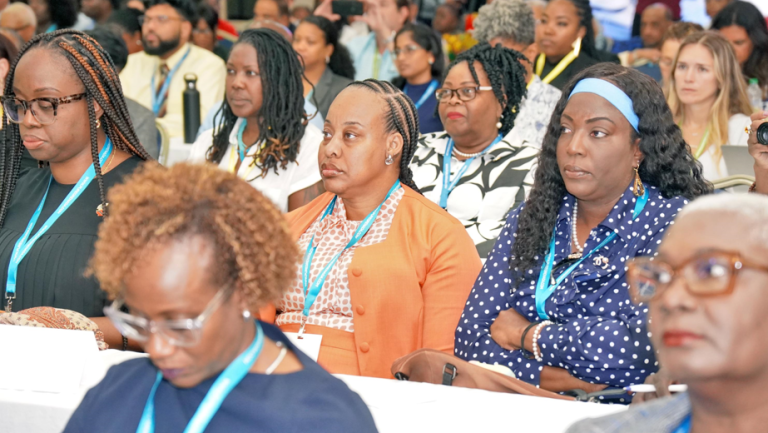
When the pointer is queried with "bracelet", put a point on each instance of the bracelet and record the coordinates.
(125, 343)
(536, 334)
(526, 353)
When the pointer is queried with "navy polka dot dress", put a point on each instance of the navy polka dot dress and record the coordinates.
(599, 335)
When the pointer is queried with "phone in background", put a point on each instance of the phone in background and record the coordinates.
(347, 8)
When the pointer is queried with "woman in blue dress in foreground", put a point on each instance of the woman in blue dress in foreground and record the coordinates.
(551, 302)
(186, 263)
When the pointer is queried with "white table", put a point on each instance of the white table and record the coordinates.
(397, 407)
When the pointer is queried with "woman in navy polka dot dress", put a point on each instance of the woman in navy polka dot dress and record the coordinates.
(552, 302)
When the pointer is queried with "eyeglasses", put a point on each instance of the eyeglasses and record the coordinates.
(182, 332)
(408, 49)
(709, 274)
(161, 19)
(43, 109)
(464, 93)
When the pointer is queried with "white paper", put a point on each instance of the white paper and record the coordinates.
(43, 359)
(308, 343)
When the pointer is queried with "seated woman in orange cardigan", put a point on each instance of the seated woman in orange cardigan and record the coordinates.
(384, 271)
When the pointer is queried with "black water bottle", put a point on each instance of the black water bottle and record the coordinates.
(191, 108)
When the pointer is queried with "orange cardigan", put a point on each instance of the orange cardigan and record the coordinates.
(409, 291)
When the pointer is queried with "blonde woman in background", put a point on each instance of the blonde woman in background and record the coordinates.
(670, 45)
(708, 99)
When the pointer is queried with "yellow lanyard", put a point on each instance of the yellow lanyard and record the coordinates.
(561, 65)
(233, 158)
(702, 145)
(376, 62)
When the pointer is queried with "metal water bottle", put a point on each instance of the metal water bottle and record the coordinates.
(191, 104)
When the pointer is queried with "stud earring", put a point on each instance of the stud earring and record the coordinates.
(389, 160)
(431, 62)
(98, 123)
(638, 188)
(499, 124)
(246, 315)
(327, 59)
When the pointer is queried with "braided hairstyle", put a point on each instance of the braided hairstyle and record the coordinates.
(401, 118)
(281, 118)
(95, 69)
(667, 164)
(506, 74)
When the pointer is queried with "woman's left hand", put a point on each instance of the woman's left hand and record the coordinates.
(507, 329)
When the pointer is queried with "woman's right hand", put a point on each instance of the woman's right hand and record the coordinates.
(326, 10)
(759, 152)
(558, 379)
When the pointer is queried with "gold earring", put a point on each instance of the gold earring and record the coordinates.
(98, 123)
(638, 189)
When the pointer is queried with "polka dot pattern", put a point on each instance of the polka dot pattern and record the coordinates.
(599, 335)
(333, 306)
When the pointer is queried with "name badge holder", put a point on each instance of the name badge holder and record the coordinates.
(159, 98)
(427, 93)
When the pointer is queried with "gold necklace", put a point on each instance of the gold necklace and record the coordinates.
(109, 162)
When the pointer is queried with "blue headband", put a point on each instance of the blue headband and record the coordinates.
(610, 93)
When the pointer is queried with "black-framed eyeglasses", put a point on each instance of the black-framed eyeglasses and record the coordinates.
(408, 49)
(43, 109)
(464, 93)
(180, 332)
(708, 274)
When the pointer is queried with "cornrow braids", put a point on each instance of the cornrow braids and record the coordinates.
(401, 118)
(506, 74)
(95, 69)
(281, 118)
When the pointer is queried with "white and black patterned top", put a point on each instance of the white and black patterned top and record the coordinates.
(599, 335)
(493, 185)
(535, 111)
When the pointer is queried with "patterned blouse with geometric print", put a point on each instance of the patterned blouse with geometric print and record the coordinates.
(493, 185)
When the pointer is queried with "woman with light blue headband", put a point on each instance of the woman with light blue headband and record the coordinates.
(552, 302)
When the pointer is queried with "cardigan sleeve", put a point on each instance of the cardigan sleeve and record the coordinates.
(454, 266)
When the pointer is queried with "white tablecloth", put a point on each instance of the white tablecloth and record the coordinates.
(397, 407)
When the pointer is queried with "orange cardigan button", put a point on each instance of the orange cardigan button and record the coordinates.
(357, 272)
(364, 347)
(360, 310)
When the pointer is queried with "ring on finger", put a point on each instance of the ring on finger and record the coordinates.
(748, 130)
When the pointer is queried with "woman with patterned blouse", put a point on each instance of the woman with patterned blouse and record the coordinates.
(385, 271)
(487, 171)
(552, 302)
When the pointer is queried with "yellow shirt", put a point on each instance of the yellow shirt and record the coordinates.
(211, 73)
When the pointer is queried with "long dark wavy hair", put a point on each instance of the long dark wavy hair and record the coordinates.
(340, 61)
(748, 16)
(505, 72)
(402, 118)
(95, 69)
(282, 119)
(667, 164)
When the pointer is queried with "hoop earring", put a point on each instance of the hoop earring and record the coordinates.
(638, 189)
(327, 59)
(389, 160)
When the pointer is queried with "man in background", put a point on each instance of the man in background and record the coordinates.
(20, 18)
(155, 76)
(99, 10)
(654, 22)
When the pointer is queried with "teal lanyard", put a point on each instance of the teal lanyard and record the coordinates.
(227, 380)
(240, 144)
(427, 93)
(311, 291)
(25, 243)
(159, 98)
(684, 426)
(544, 291)
(448, 186)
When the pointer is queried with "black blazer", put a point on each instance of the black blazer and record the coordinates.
(326, 90)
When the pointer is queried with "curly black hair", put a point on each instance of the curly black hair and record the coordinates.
(667, 163)
(506, 74)
(282, 119)
(340, 62)
(95, 69)
(402, 117)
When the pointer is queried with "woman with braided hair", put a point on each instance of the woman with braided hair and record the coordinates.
(186, 262)
(66, 108)
(476, 169)
(384, 270)
(261, 130)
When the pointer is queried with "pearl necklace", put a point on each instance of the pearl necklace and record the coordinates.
(466, 155)
(579, 248)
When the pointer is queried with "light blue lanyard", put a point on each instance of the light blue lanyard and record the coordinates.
(159, 98)
(311, 291)
(448, 186)
(684, 426)
(227, 380)
(427, 93)
(24, 243)
(545, 291)
(52, 28)
(240, 144)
